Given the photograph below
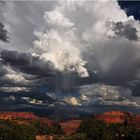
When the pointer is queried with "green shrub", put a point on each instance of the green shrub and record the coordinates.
(11, 131)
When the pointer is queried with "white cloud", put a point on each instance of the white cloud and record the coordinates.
(72, 100)
(106, 95)
(14, 89)
(31, 100)
(55, 18)
(58, 46)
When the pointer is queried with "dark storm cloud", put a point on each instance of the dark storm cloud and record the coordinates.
(17, 70)
(23, 69)
(135, 87)
(25, 79)
(32, 13)
(27, 63)
(127, 30)
(114, 64)
(3, 33)
(36, 72)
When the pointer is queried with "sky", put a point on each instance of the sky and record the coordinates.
(69, 57)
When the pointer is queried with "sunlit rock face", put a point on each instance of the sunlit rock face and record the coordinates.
(25, 117)
(114, 116)
(126, 118)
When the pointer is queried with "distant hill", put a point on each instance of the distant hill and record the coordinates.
(26, 117)
(70, 126)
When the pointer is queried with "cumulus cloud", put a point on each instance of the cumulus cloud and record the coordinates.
(58, 44)
(88, 41)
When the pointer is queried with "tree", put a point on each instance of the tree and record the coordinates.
(41, 128)
(56, 129)
(94, 129)
(10, 130)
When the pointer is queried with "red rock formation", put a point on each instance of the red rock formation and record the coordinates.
(70, 126)
(115, 117)
(16, 115)
(25, 116)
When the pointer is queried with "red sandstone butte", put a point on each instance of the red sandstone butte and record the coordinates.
(115, 117)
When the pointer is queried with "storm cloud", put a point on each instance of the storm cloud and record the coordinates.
(125, 30)
(3, 33)
(77, 53)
